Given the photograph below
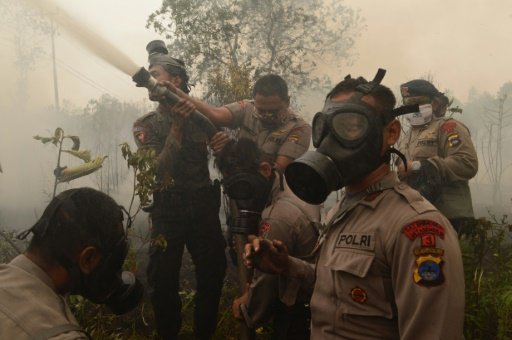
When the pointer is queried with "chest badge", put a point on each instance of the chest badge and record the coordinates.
(358, 295)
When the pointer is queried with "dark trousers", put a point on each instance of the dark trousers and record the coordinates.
(191, 220)
(292, 323)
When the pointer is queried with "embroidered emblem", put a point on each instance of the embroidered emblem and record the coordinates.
(358, 295)
(363, 241)
(453, 139)
(448, 126)
(428, 251)
(428, 271)
(278, 132)
(293, 138)
(428, 240)
(264, 228)
(423, 227)
(140, 136)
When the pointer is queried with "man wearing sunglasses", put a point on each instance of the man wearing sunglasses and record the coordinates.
(441, 157)
(267, 119)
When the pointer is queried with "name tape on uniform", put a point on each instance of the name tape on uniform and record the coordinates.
(363, 241)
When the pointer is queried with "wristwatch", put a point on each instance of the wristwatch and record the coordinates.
(415, 165)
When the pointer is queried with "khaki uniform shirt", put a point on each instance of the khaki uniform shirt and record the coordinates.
(447, 144)
(185, 163)
(29, 306)
(389, 267)
(290, 139)
(294, 222)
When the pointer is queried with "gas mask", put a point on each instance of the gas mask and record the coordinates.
(348, 138)
(107, 284)
(421, 117)
(250, 191)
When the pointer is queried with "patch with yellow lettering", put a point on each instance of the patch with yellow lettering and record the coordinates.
(453, 139)
(429, 271)
(358, 295)
(361, 241)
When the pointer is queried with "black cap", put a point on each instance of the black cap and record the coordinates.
(418, 87)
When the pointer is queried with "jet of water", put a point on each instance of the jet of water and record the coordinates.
(89, 39)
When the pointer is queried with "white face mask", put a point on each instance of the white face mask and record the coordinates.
(422, 117)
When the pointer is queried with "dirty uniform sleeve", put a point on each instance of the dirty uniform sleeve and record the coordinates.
(457, 160)
(146, 137)
(428, 279)
(297, 142)
(300, 277)
(239, 110)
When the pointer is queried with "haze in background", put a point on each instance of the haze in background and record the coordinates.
(461, 44)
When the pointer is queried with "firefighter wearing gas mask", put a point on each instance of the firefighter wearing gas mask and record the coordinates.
(268, 208)
(78, 247)
(388, 263)
(441, 156)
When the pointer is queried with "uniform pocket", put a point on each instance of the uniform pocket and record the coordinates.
(360, 289)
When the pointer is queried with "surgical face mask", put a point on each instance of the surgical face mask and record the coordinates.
(421, 117)
(250, 191)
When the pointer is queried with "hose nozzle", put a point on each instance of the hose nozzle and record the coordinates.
(143, 78)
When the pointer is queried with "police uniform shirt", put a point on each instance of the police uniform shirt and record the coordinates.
(29, 306)
(290, 139)
(293, 222)
(390, 267)
(446, 143)
(186, 163)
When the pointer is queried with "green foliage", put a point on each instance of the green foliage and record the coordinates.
(67, 174)
(229, 84)
(488, 272)
(288, 37)
(144, 164)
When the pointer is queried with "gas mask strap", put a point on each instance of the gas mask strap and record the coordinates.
(387, 155)
(43, 223)
(399, 111)
(369, 86)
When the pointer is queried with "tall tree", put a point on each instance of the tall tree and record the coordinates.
(499, 119)
(27, 29)
(293, 38)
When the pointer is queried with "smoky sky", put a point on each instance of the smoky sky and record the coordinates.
(463, 45)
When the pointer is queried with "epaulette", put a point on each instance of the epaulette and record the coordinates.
(414, 198)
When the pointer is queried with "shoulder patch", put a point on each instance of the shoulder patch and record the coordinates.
(429, 259)
(449, 126)
(264, 229)
(454, 139)
(423, 227)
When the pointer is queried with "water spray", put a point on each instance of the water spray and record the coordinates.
(108, 52)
